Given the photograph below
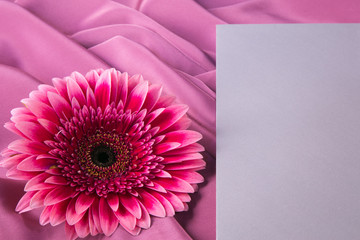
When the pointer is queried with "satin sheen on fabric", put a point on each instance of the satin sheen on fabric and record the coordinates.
(169, 42)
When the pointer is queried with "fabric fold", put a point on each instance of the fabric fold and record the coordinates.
(48, 53)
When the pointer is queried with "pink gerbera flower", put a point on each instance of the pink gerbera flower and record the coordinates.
(103, 150)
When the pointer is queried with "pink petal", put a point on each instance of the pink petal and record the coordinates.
(185, 137)
(133, 193)
(70, 232)
(40, 186)
(108, 220)
(29, 147)
(74, 91)
(54, 171)
(11, 127)
(157, 187)
(184, 197)
(134, 81)
(169, 116)
(163, 174)
(80, 80)
(38, 199)
(183, 123)
(48, 125)
(8, 152)
(188, 176)
(131, 204)
(103, 90)
(114, 85)
(141, 115)
(71, 215)
(113, 201)
(197, 164)
(137, 97)
(83, 202)
(122, 90)
(126, 219)
(37, 182)
(152, 97)
(144, 221)
(41, 110)
(182, 157)
(167, 205)
(90, 98)
(60, 85)
(14, 173)
(175, 184)
(186, 207)
(195, 186)
(125, 123)
(82, 226)
(192, 148)
(175, 201)
(153, 205)
(13, 160)
(92, 228)
(47, 156)
(57, 214)
(59, 194)
(92, 78)
(60, 105)
(44, 88)
(32, 164)
(94, 209)
(158, 139)
(58, 180)
(153, 115)
(45, 215)
(20, 111)
(75, 104)
(38, 96)
(24, 203)
(165, 147)
(23, 118)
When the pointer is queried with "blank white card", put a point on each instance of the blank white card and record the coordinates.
(288, 132)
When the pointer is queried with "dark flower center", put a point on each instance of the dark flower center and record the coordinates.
(103, 156)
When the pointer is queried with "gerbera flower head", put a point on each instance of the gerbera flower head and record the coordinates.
(101, 150)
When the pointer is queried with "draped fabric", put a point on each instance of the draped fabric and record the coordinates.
(167, 41)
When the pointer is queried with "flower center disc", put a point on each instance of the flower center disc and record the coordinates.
(103, 156)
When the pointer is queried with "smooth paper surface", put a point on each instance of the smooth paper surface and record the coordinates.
(288, 131)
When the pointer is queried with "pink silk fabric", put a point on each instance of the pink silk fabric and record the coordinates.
(167, 41)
